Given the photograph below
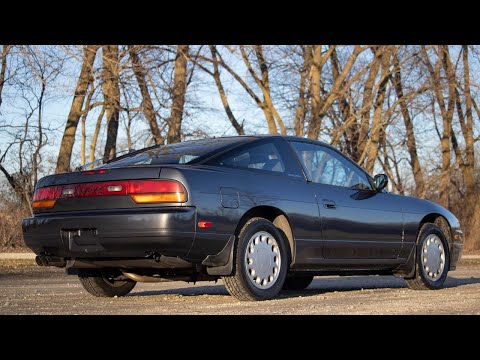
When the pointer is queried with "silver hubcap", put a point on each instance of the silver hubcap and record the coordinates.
(262, 260)
(433, 257)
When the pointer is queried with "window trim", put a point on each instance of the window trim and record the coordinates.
(321, 145)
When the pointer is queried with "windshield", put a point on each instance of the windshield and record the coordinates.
(180, 153)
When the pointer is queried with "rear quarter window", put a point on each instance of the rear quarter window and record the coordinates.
(264, 157)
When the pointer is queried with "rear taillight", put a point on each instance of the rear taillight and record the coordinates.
(153, 191)
(45, 198)
(141, 191)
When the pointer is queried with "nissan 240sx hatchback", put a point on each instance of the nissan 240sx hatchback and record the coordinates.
(261, 212)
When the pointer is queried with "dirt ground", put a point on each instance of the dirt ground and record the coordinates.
(29, 289)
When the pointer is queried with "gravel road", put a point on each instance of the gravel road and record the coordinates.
(29, 289)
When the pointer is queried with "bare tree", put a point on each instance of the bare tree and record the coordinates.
(262, 81)
(84, 79)
(93, 144)
(446, 110)
(111, 94)
(303, 93)
(41, 66)
(466, 122)
(179, 92)
(378, 125)
(221, 91)
(3, 68)
(335, 92)
(148, 110)
(411, 141)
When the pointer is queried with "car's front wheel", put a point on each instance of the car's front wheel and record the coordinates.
(105, 285)
(260, 262)
(432, 259)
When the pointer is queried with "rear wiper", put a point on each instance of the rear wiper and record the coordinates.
(91, 164)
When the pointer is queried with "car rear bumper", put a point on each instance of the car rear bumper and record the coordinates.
(104, 234)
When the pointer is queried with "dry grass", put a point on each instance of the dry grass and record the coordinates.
(11, 215)
(473, 235)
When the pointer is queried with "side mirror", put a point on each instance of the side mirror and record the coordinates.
(380, 182)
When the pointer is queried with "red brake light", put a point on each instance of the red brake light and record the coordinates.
(141, 191)
(45, 198)
(92, 172)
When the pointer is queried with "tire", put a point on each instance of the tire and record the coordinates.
(103, 286)
(299, 282)
(260, 247)
(430, 237)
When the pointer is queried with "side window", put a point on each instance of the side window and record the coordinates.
(325, 166)
(261, 157)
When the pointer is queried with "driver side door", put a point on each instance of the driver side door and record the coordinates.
(358, 223)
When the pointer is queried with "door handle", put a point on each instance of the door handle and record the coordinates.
(329, 204)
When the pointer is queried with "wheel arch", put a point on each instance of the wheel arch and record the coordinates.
(278, 217)
(439, 220)
(408, 269)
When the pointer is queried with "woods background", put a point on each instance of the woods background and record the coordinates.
(408, 111)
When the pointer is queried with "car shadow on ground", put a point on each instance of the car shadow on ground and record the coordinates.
(456, 282)
(318, 287)
(321, 286)
(217, 289)
(355, 283)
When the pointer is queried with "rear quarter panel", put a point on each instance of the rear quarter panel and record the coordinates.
(222, 196)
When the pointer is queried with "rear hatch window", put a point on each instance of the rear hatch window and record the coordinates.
(188, 152)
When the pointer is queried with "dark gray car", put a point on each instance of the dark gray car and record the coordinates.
(262, 212)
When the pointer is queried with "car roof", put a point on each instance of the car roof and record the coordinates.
(286, 137)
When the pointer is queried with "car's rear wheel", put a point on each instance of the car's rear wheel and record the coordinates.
(260, 262)
(105, 285)
(432, 259)
(297, 282)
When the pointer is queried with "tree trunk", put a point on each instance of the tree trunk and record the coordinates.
(272, 128)
(68, 139)
(367, 101)
(266, 105)
(469, 163)
(350, 132)
(93, 144)
(338, 89)
(179, 92)
(148, 109)
(445, 178)
(446, 111)
(223, 96)
(40, 143)
(302, 104)
(377, 120)
(265, 86)
(111, 93)
(3, 68)
(84, 119)
(315, 87)
(411, 141)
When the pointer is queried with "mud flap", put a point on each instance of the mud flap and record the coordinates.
(222, 263)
